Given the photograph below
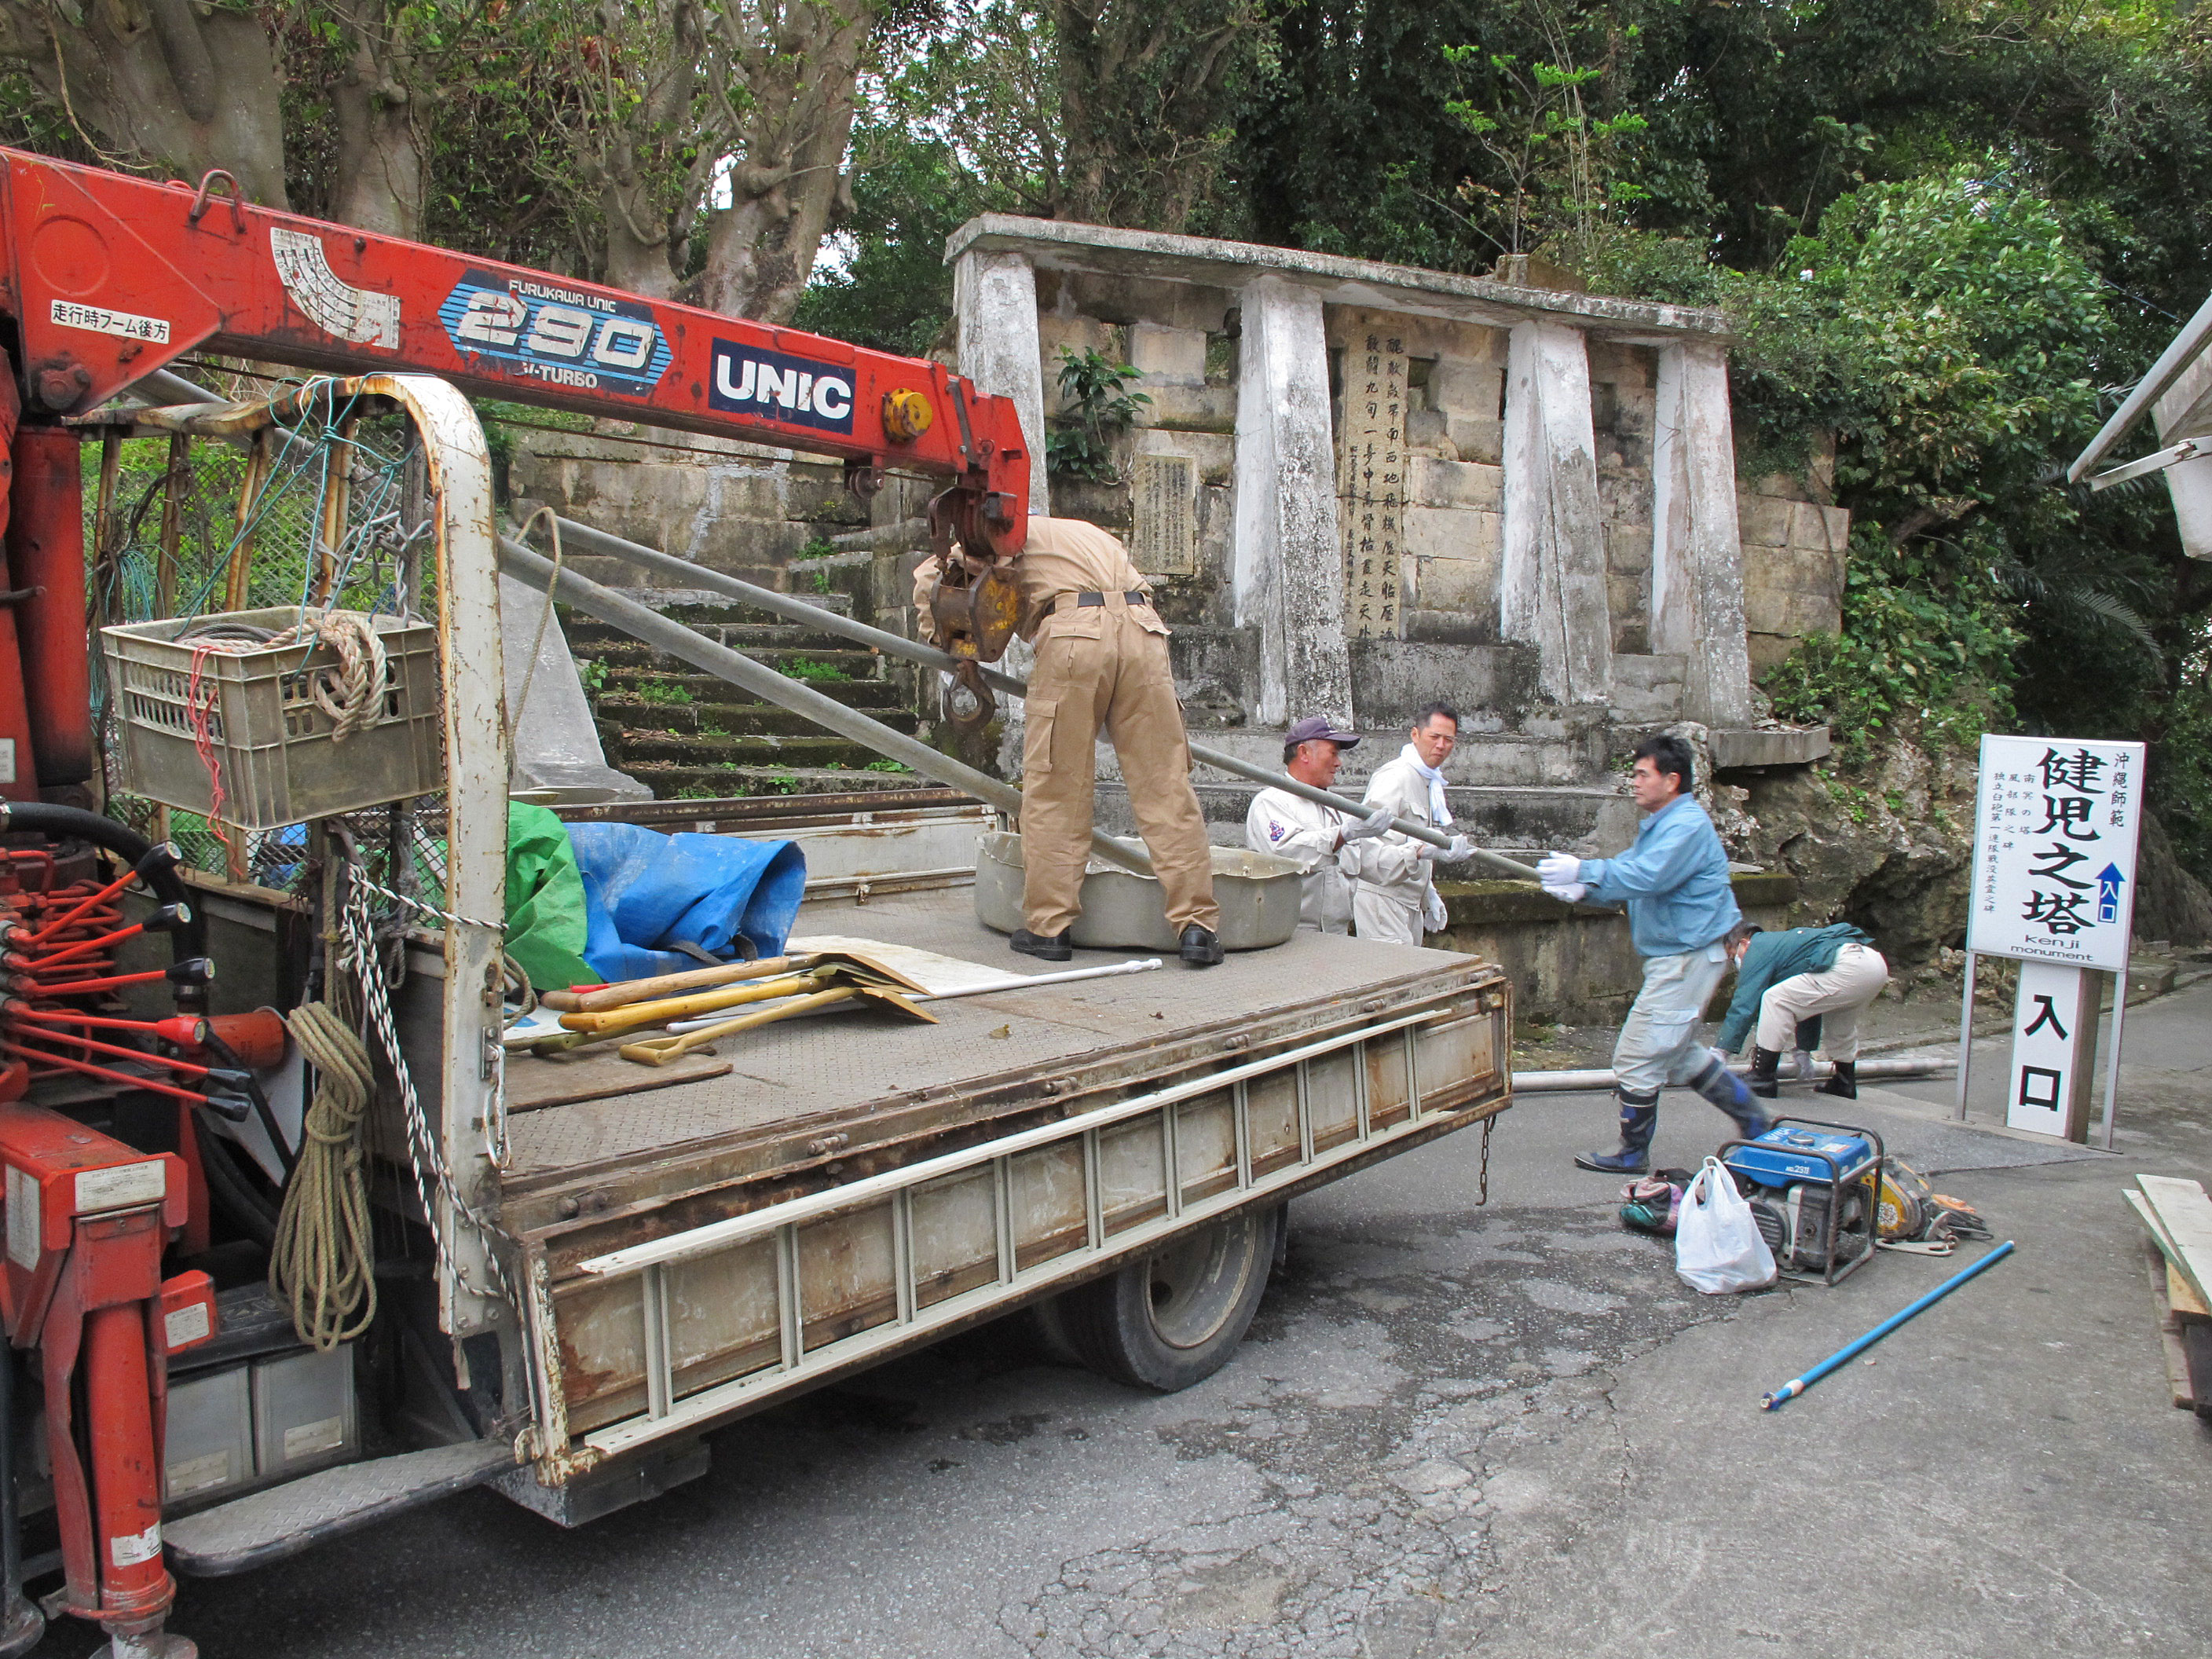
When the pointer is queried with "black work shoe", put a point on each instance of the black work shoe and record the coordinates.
(1049, 947)
(1200, 949)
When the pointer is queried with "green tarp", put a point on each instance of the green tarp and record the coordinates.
(545, 924)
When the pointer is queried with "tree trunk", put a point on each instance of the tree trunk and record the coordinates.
(379, 155)
(161, 87)
(788, 182)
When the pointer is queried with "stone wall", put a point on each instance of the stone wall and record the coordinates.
(1795, 542)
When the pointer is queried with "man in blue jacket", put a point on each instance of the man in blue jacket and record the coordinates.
(1675, 881)
(1786, 980)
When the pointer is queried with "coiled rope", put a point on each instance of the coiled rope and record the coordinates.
(324, 1259)
(352, 694)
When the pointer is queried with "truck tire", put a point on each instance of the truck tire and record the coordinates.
(1174, 1317)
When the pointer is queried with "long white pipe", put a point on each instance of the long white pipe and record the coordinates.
(1540, 1083)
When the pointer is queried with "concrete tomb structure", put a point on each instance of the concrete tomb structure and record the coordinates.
(1358, 487)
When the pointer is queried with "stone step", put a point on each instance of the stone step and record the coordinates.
(1510, 820)
(619, 717)
(672, 781)
(694, 613)
(739, 636)
(1483, 760)
(823, 669)
(635, 749)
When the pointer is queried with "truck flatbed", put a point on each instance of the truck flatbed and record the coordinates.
(853, 1185)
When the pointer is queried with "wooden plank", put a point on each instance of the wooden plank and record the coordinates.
(2169, 1340)
(2186, 1213)
(2159, 1235)
(2188, 1308)
(533, 1085)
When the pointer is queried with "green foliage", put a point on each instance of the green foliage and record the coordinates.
(885, 765)
(593, 674)
(808, 668)
(1096, 408)
(663, 692)
(816, 547)
(1926, 645)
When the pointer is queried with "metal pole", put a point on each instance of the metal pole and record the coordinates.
(1599, 1078)
(2112, 1059)
(1966, 1035)
(642, 624)
(1798, 1385)
(583, 538)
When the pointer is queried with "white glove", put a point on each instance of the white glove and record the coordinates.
(1461, 848)
(1434, 917)
(1567, 892)
(1559, 869)
(1376, 822)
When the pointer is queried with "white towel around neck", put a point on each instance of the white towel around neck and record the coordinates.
(1438, 811)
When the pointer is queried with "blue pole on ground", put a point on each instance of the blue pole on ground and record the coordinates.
(1797, 1386)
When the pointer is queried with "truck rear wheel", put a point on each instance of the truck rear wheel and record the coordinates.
(1174, 1317)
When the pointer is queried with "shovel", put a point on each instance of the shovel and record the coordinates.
(662, 1050)
(829, 967)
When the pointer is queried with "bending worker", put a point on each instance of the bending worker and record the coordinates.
(1675, 881)
(1398, 908)
(1827, 974)
(1102, 661)
(1335, 851)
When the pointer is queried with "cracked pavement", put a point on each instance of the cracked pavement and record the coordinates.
(1507, 1429)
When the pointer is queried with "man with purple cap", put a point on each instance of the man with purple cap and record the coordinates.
(1334, 850)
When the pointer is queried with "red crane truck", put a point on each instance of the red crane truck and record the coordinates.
(571, 1289)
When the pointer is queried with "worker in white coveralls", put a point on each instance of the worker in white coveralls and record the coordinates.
(1412, 787)
(1335, 851)
(1681, 907)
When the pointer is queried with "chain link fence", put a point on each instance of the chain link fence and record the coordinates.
(331, 508)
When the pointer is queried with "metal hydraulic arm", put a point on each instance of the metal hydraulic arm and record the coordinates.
(108, 277)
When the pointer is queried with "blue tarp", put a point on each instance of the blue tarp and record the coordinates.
(644, 890)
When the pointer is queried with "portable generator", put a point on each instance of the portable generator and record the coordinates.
(1813, 1189)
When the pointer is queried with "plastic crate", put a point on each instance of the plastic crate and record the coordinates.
(271, 740)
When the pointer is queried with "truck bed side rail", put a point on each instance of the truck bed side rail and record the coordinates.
(708, 1324)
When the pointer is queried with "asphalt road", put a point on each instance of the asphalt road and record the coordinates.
(1453, 1427)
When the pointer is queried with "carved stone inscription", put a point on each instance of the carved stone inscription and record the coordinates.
(1163, 490)
(1371, 485)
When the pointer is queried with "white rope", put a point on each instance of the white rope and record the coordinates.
(324, 1260)
(351, 693)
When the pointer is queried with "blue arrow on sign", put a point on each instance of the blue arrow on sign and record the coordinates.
(2108, 893)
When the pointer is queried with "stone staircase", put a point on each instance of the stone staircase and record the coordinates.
(691, 736)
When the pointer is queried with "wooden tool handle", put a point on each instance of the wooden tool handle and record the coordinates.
(663, 985)
(663, 1009)
(660, 1050)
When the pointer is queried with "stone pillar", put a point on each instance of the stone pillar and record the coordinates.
(1697, 555)
(1287, 575)
(1552, 580)
(994, 296)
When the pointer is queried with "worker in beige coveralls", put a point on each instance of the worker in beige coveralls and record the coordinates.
(1102, 661)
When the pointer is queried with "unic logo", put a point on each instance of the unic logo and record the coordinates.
(797, 391)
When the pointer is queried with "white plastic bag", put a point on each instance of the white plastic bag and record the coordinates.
(1718, 1247)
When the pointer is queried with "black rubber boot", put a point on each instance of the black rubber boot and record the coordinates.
(1639, 1121)
(1764, 1066)
(1200, 948)
(1726, 1091)
(1048, 947)
(1846, 1083)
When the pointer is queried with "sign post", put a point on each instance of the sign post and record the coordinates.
(2055, 830)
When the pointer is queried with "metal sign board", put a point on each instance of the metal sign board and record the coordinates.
(2055, 827)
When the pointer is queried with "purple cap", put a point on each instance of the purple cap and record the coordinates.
(1317, 726)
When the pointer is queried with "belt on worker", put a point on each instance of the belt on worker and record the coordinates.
(1134, 596)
